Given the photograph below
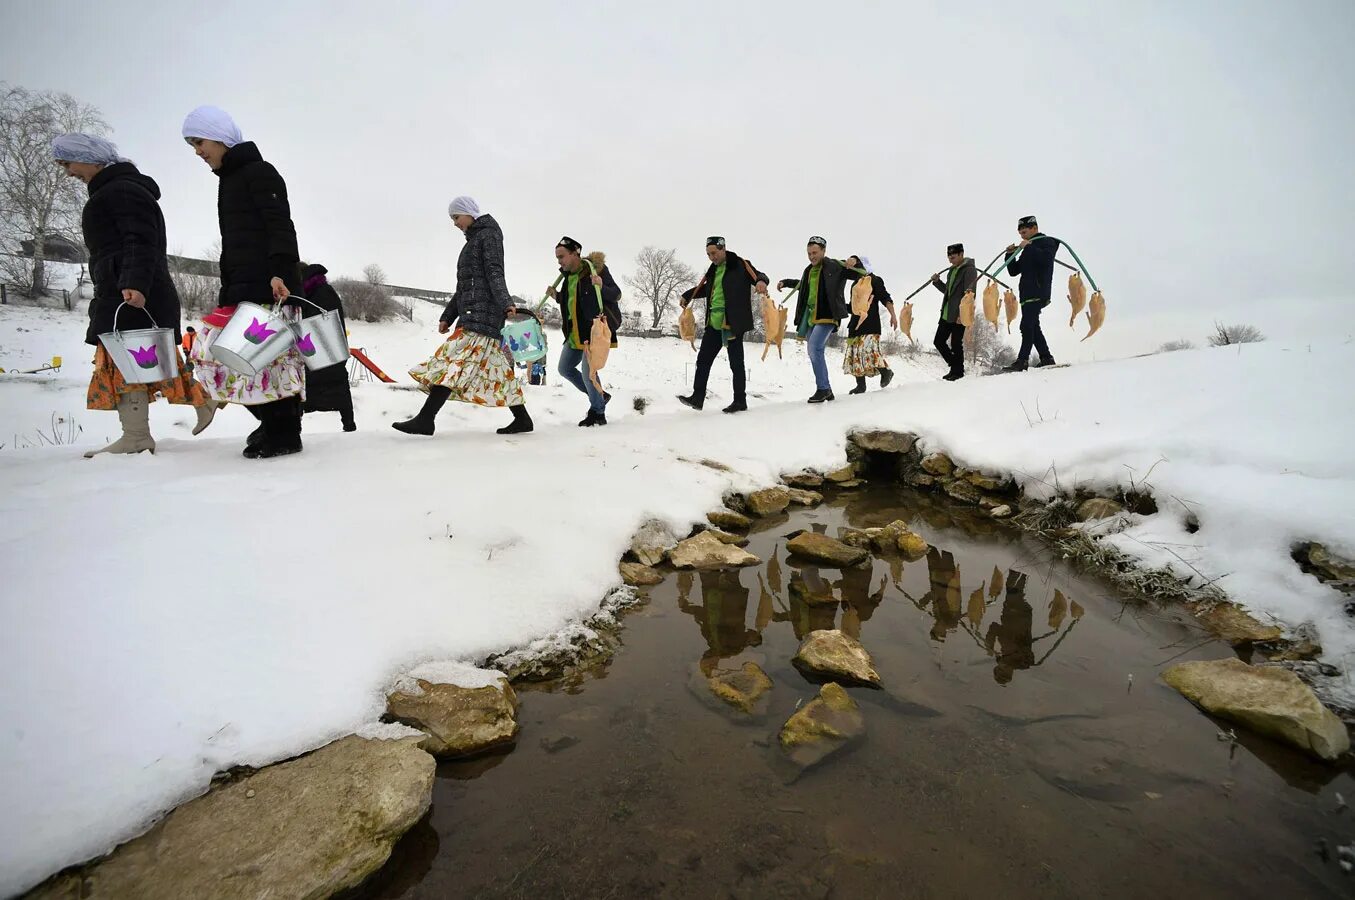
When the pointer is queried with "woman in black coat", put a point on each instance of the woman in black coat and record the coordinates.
(259, 264)
(326, 389)
(124, 232)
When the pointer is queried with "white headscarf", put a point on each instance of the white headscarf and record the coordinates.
(464, 206)
(85, 148)
(865, 264)
(213, 124)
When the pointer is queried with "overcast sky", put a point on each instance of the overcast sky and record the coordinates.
(1196, 154)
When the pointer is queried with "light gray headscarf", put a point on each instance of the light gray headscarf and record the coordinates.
(213, 124)
(85, 148)
(464, 206)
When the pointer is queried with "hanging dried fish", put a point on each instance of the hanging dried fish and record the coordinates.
(967, 309)
(1096, 315)
(599, 345)
(996, 583)
(861, 294)
(769, 320)
(1012, 307)
(1077, 296)
(1076, 609)
(687, 326)
(991, 304)
(976, 608)
(774, 571)
(1058, 608)
(906, 321)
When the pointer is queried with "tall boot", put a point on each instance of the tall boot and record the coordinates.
(346, 416)
(423, 422)
(860, 386)
(521, 424)
(134, 412)
(206, 413)
(886, 376)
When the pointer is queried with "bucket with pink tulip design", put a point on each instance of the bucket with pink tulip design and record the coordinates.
(143, 355)
(320, 339)
(254, 337)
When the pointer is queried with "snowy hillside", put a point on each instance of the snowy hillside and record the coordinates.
(167, 617)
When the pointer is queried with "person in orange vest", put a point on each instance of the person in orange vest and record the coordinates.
(189, 336)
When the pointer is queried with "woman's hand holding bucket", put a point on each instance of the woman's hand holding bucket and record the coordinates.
(134, 298)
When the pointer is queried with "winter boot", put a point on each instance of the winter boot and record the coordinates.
(589, 420)
(691, 401)
(737, 406)
(886, 376)
(521, 424)
(346, 416)
(821, 397)
(281, 429)
(134, 413)
(1044, 362)
(953, 376)
(860, 387)
(1018, 366)
(206, 413)
(423, 422)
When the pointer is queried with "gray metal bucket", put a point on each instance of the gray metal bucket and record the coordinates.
(321, 340)
(252, 339)
(143, 356)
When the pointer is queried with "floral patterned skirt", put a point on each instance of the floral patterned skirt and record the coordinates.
(107, 385)
(863, 358)
(475, 368)
(284, 377)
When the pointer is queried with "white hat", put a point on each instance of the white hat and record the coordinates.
(214, 124)
(464, 206)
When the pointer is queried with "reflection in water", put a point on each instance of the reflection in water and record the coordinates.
(722, 615)
(809, 601)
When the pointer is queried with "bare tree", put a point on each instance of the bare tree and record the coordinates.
(659, 277)
(1225, 335)
(37, 199)
(1173, 346)
(366, 301)
(374, 274)
(198, 291)
(984, 346)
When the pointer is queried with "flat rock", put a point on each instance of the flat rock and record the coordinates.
(309, 827)
(705, 551)
(1098, 508)
(1269, 700)
(984, 482)
(727, 537)
(842, 475)
(745, 690)
(1001, 512)
(805, 480)
(822, 549)
(833, 654)
(823, 726)
(727, 518)
(883, 441)
(851, 484)
(802, 497)
(963, 491)
(652, 543)
(639, 575)
(459, 721)
(919, 479)
(1235, 625)
(912, 545)
(767, 502)
(938, 464)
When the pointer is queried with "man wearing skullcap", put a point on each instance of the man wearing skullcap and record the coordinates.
(962, 277)
(1035, 265)
(820, 307)
(728, 287)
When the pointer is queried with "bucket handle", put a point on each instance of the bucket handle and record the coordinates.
(119, 309)
(308, 303)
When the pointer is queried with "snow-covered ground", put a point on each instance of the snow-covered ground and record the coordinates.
(166, 617)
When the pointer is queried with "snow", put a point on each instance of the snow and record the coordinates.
(166, 617)
(446, 671)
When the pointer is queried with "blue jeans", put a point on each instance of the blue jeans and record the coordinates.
(818, 339)
(574, 369)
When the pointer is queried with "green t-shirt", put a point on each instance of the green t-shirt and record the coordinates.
(716, 313)
(572, 302)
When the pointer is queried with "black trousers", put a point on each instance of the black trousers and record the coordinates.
(711, 342)
(1032, 336)
(950, 344)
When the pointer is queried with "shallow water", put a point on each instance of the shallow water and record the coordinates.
(1010, 753)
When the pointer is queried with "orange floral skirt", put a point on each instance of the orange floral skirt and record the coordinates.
(107, 385)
